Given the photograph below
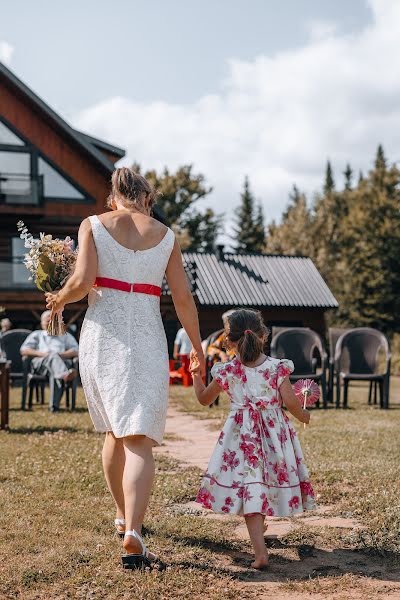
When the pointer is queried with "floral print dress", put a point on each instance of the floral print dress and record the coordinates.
(257, 465)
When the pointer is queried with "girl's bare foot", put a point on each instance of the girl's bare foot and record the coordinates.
(260, 563)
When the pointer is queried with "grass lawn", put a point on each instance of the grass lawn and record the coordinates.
(56, 515)
(56, 519)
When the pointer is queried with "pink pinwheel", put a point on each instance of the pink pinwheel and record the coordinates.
(307, 391)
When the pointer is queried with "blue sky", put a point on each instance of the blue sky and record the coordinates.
(266, 88)
(78, 53)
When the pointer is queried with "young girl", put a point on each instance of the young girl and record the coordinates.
(257, 466)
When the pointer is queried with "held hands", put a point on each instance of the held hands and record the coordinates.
(197, 363)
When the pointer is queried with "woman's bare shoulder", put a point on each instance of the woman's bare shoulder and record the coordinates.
(119, 217)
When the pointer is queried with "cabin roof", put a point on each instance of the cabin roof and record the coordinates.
(228, 279)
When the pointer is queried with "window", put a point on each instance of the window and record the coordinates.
(16, 184)
(55, 185)
(15, 163)
(20, 274)
(8, 137)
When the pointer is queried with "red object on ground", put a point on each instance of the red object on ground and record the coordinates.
(180, 374)
(186, 375)
(174, 374)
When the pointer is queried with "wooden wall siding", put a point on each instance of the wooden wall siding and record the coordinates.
(211, 317)
(57, 209)
(74, 161)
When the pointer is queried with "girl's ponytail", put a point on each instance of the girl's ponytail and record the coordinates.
(246, 328)
(250, 346)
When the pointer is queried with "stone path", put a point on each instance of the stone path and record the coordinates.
(191, 441)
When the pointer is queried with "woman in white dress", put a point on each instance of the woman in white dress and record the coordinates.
(123, 257)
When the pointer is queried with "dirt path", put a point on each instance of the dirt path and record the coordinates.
(323, 572)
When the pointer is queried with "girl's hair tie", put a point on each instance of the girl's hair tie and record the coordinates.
(248, 331)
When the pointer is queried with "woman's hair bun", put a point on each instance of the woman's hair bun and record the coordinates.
(131, 189)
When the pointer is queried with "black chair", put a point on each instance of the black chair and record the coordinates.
(300, 345)
(37, 383)
(357, 359)
(11, 342)
(334, 334)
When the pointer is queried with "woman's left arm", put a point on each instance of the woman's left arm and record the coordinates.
(84, 275)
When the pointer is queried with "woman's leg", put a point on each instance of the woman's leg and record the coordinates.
(255, 527)
(137, 483)
(113, 456)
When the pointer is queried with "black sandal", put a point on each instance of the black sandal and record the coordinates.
(143, 560)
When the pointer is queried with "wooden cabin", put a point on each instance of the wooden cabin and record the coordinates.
(288, 290)
(52, 176)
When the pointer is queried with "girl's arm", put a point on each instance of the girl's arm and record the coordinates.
(84, 275)
(291, 402)
(205, 395)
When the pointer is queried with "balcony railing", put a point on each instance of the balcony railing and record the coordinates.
(14, 275)
(19, 188)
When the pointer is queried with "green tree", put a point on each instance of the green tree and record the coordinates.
(353, 236)
(244, 231)
(259, 230)
(293, 235)
(202, 230)
(249, 230)
(370, 274)
(329, 184)
(178, 192)
(348, 177)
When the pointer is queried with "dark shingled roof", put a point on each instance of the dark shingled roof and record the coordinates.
(257, 280)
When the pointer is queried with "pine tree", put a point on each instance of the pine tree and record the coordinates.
(259, 230)
(348, 177)
(329, 184)
(355, 243)
(370, 290)
(245, 234)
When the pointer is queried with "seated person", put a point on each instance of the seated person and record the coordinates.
(5, 325)
(216, 350)
(52, 356)
(182, 345)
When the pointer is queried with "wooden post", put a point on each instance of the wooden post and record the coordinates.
(5, 367)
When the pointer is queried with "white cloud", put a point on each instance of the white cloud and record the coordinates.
(6, 52)
(276, 118)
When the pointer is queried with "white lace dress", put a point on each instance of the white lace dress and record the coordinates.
(123, 355)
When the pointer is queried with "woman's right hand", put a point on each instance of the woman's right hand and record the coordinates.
(197, 356)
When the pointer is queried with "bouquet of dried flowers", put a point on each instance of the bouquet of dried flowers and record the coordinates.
(50, 261)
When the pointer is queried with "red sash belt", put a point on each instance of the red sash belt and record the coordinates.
(123, 286)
